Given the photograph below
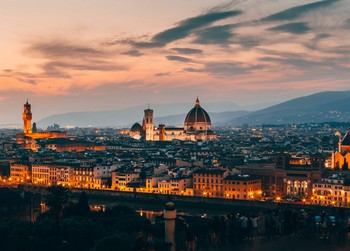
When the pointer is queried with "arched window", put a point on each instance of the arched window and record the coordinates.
(296, 188)
(304, 188)
(289, 187)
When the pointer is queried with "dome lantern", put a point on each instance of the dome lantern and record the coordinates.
(197, 104)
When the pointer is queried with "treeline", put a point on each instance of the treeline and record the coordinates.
(72, 226)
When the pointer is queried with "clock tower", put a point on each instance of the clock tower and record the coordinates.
(27, 118)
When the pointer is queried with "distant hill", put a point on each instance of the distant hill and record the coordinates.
(167, 113)
(220, 118)
(319, 107)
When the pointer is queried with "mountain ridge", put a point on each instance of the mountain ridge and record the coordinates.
(328, 106)
(318, 107)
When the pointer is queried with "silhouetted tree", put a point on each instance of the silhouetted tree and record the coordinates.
(56, 200)
(142, 175)
(83, 205)
(34, 129)
(114, 242)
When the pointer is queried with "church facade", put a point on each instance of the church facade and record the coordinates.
(197, 126)
(341, 158)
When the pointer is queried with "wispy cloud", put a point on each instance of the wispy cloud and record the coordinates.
(215, 35)
(224, 68)
(184, 28)
(295, 28)
(162, 74)
(133, 53)
(57, 48)
(62, 58)
(178, 58)
(298, 11)
(189, 51)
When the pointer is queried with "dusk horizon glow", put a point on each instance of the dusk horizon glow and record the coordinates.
(72, 56)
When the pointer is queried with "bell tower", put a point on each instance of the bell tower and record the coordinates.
(27, 118)
(147, 124)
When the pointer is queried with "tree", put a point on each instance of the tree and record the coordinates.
(56, 200)
(113, 242)
(83, 205)
(142, 175)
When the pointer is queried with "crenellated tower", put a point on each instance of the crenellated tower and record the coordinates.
(27, 118)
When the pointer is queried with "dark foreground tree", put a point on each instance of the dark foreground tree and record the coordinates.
(83, 208)
(56, 200)
(112, 243)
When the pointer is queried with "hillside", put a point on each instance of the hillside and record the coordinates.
(319, 107)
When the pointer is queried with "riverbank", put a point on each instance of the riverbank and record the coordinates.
(189, 204)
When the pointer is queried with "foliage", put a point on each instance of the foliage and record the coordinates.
(83, 205)
(114, 242)
(115, 229)
(81, 208)
(11, 231)
(56, 200)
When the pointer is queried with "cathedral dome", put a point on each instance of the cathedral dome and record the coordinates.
(197, 119)
(136, 128)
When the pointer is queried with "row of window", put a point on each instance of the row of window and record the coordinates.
(326, 192)
(83, 178)
(83, 173)
(328, 186)
(19, 169)
(207, 180)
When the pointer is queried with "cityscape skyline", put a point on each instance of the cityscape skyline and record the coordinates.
(245, 52)
(161, 125)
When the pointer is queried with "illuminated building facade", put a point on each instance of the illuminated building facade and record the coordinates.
(242, 187)
(41, 174)
(48, 174)
(83, 177)
(197, 126)
(121, 179)
(20, 172)
(287, 177)
(332, 191)
(209, 182)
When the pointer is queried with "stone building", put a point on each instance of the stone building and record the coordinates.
(197, 126)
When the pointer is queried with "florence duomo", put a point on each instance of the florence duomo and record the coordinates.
(197, 126)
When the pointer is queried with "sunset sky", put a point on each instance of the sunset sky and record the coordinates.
(77, 55)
